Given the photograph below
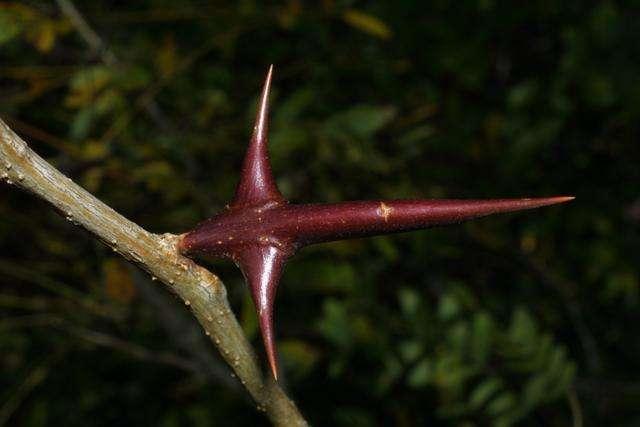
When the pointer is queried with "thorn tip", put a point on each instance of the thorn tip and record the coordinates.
(266, 326)
(260, 130)
(564, 199)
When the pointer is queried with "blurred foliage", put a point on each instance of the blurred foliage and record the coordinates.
(525, 319)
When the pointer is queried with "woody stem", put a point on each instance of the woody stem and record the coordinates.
(200, 289)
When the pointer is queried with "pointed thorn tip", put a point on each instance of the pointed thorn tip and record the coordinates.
(271, 352)
(560, 199)
(270, 349)
(531, 203)
(267, 82)
(260, 127)
(274, 369)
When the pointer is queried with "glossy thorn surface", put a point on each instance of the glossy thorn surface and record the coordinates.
(260, 230)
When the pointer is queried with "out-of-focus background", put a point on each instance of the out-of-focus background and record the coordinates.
(524, 319)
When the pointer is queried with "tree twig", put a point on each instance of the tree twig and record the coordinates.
(10, 269)
(86, 32)
(132, 349)
(200, 289)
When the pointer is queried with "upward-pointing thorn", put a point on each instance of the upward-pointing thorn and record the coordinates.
(257, 185)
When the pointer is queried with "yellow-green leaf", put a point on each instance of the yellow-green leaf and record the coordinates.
(45, 37)
(367, 23)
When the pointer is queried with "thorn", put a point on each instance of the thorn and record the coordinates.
(269, 230)
(563, 199)
(265, 317)
(262, 116)
(262, 267)
(257, 185)
(269, 345)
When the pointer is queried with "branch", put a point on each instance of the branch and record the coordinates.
(200, 290)
(86, 32)
(132, 349)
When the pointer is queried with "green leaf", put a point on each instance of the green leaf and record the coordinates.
(133, 77)
(523, 327)
(410, 350)
(522, 95)
(298, 356)
(457, 337)
(534, 391)
(367, 23)
(421, 374)
(10, 26)
(361, 121)
(85, 85)
(409, 301)
(502, 403)
(449, 307)
(293, 107)
(563, 382)
(483, 392)
(82, 123)
(482, 337)
(334, 324)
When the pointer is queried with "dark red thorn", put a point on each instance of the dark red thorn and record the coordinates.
(261, 230)
(290, 226)
(262, 267)
(257, 185)
(327, 222)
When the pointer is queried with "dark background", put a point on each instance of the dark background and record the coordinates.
(524, 319)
